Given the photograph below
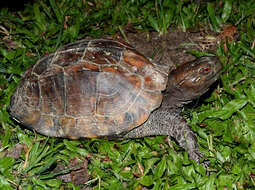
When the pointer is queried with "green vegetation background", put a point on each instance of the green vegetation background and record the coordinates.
(224, 123)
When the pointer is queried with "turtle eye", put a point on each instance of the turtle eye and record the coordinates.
(206, 70)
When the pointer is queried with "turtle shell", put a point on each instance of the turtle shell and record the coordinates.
(90, 88)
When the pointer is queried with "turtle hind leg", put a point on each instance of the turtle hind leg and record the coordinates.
(168, 122)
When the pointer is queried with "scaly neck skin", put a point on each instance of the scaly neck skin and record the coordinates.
(175, 98)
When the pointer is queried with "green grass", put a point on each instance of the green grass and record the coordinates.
(224, 122)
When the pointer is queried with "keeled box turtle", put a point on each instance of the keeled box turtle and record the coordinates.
(105, 88)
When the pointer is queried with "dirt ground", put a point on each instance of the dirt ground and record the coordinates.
(172, 47)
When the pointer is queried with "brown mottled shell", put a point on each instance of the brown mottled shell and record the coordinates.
(90, 88)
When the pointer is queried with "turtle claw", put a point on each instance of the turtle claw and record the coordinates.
(199, 157)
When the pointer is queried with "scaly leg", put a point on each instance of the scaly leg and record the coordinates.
(170, 123)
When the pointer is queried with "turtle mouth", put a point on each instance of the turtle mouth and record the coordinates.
(209, 81)
(214, 77)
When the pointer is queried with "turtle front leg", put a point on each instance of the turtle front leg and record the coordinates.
(167, 122)
(187, 140)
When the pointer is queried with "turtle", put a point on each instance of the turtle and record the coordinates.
(105, 88)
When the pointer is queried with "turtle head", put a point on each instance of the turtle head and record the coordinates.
(191, 80)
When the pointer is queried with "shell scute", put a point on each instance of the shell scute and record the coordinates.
(79, 88)
(114, 95)
(85, 128)
(136, 60)
(75, 46)
(52, 92)
(67, 58)
(42, 65)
